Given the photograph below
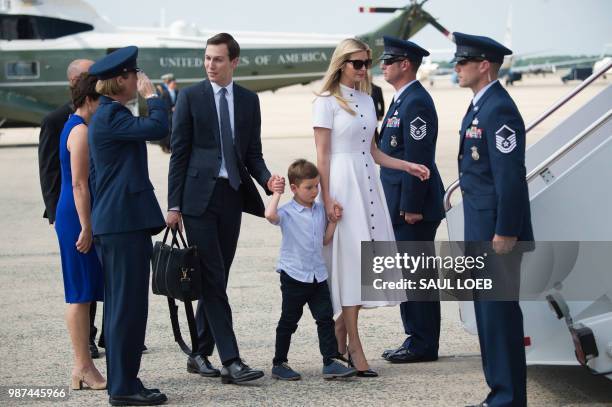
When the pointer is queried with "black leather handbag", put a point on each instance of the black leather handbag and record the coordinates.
(177, 275)
(176, 270)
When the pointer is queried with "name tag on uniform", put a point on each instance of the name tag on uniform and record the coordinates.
(393, 122)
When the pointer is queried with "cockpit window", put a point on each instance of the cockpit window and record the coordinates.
(22, 70)
(24, 27)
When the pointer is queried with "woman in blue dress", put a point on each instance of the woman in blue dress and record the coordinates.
(81, 269)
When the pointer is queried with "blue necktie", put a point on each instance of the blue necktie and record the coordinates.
(227, 143)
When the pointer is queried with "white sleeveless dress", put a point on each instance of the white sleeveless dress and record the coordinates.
(355, 184)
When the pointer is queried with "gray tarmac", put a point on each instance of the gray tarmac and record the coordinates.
(34, 343)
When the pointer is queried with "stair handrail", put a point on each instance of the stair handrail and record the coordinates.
(561, 102)
(569, 146)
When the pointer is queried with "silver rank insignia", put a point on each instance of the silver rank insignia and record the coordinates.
(418, 128)
(505, 139)
(475, 155)
(396, 113)
(393, 141)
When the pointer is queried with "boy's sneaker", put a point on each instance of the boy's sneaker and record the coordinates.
(337, 370)
(284, 372)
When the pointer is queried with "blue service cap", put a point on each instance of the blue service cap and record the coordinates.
(114, 64)
(394, 48)
(476, 46)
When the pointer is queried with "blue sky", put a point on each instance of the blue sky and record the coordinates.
(538, 26)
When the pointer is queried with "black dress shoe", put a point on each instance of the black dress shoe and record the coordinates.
(367, 373)
(403, 355)
(388, 352)
(93, 350)
(239, 372)
(143, 398)
(142, 387)
(362, 373)
(202, 366)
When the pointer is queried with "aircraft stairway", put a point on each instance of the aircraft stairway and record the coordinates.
(569, 177)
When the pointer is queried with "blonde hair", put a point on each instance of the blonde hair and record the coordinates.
(331, 80)
(109, 87)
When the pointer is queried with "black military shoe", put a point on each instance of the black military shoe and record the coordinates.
(143, 388)
(145, 397)
(403, 355)
(388, 352)
(239, 372)
(202, 366)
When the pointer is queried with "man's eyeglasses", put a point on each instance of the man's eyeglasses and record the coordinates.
(360, 63)
(391, 61)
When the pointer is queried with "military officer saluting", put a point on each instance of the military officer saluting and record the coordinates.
(495, 204)
(409, 132)
(125, 214)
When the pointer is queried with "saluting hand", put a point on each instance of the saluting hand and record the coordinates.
(83, 243)
(145, 86)
(418, 170)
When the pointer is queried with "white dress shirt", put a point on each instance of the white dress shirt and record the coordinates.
(399, 92)
(481, 92)
(172, 94)
(229, 96)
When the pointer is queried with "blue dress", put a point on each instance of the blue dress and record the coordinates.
(83, 277)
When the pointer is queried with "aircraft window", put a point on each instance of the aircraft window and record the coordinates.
(24, 27)
(22, 70)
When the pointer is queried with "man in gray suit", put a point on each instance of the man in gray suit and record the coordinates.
(216, 149)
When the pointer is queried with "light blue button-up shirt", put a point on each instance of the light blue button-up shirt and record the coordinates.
(301, 254)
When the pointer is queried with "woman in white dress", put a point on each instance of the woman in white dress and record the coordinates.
(344, 124)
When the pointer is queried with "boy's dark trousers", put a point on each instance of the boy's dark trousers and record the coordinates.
(295, 295)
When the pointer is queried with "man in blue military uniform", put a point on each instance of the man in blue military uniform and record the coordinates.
(409, 132)
(125, 214)
(495, 204)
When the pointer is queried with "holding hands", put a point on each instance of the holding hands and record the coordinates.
(276, 184)
(334, 210)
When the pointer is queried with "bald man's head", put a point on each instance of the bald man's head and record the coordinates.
(76, 68)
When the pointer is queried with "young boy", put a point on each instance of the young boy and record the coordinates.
(303, 274)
